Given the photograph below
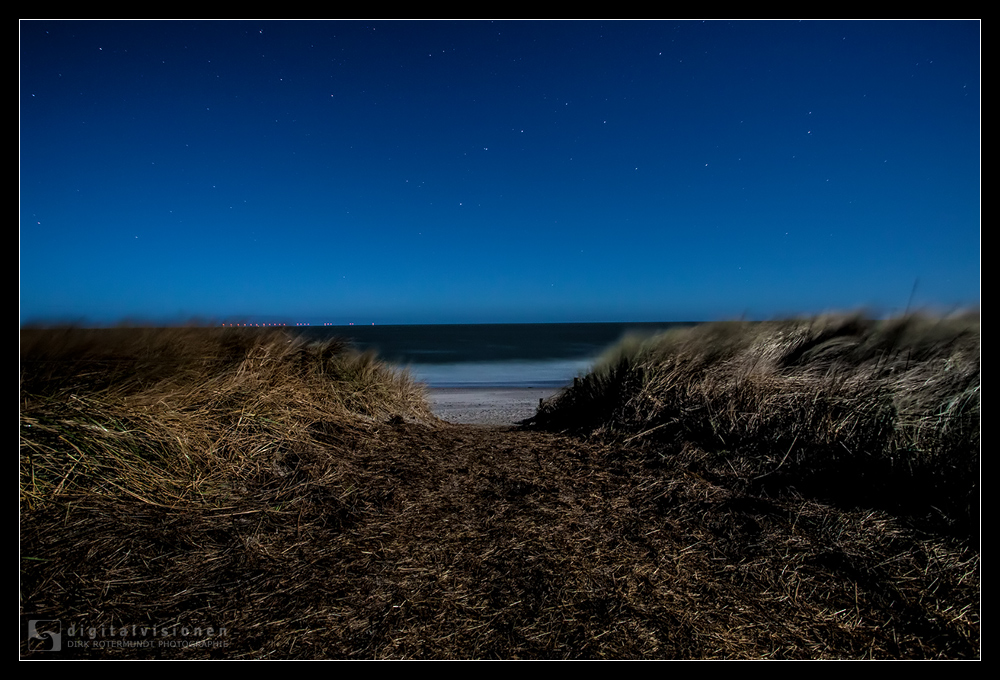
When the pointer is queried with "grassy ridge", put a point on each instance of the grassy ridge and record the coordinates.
(182, 414)
(884, 413)
(295, 500)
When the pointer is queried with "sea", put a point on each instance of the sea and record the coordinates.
(491, 355)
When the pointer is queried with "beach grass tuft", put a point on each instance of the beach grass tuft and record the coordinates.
(173, 415)
(843, 406)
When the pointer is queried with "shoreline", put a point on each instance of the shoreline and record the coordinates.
(487, 405)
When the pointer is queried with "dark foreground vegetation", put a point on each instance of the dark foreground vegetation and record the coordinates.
(788, 490)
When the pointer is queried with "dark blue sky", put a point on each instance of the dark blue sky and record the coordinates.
(452, 172)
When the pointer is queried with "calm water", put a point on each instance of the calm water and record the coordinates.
(490, 355)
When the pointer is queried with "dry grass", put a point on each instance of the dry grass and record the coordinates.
(170, 416)
(841, 407)
(278, 499)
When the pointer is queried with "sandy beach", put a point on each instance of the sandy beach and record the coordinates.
(485, 405)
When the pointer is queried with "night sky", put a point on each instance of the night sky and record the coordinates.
(472, 172)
